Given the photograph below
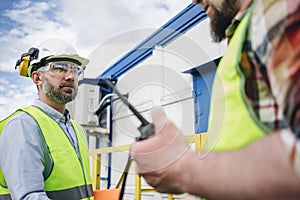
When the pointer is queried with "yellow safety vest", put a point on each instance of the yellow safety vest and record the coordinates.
(232, 123)
(70, 176)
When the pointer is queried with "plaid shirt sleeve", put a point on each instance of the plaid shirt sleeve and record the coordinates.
(283, 66)
(275, 39)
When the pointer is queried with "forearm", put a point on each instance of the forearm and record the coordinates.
(262, 170)
(259, 171)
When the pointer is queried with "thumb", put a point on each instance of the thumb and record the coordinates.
(159, 118)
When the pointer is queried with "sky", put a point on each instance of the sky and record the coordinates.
(84, 24)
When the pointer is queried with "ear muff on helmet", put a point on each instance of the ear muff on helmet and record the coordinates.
(24, 61)
(23, 68)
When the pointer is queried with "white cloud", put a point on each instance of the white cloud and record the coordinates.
(3, 81)
(2, 89)
(95, 21)
(8, 106)
(15, 93)
(85, 24)
(33, 22)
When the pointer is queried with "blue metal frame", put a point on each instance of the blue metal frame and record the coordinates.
(178, 25)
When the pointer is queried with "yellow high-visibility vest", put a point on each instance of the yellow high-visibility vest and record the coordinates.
(232, 122)
(70, 176)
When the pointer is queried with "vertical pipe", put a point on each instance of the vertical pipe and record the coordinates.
(138, 188)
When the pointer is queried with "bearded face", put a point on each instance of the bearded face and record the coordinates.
(61, 93)
(221, 16)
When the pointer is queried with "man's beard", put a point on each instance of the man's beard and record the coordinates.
(219, 21)
(56, 93)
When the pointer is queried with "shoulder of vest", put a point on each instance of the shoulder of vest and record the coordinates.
(5, 120)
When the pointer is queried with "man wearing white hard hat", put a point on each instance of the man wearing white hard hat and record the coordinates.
(43, 152)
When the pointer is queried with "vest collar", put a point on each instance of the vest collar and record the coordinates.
(237, 19)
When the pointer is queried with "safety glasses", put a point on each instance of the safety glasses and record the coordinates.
(62, 68)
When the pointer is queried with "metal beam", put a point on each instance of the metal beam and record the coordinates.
(182, 22)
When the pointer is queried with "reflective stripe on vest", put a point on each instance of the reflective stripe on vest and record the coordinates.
(80, 192)
(72, 193)
(5, 197)
(233, 123)
(70, 177)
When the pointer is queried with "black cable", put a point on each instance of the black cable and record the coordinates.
(125, 177)
(146, 129)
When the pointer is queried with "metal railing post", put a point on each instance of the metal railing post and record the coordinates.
(96, 170)
(138, 188)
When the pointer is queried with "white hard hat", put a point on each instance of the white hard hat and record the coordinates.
(49, 51)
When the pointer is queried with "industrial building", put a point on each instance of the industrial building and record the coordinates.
(172, 66)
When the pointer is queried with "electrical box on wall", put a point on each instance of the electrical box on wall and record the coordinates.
(85, 105)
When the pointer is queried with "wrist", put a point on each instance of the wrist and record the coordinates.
(188, 163)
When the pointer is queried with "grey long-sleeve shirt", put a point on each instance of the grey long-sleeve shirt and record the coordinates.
(22, 152)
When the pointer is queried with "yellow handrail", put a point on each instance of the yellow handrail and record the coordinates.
(197, 139)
